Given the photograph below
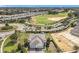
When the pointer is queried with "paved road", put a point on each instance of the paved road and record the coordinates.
(4, 34)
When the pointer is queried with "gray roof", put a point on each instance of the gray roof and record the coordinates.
(37, 40)
(75, 31)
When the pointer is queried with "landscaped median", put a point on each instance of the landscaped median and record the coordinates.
(7, 28)
(16, 43)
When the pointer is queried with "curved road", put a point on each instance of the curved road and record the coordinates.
(4, 34)
(54, 28)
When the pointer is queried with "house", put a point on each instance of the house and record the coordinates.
(37, 41)
(75, 31)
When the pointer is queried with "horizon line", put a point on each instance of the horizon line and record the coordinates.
(37, 6)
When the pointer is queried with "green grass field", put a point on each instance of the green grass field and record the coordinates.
(43, 19)
(8, 46)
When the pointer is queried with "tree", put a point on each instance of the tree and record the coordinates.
(52, 12)
(26, 43)
(14, 36)
(19, 46)
(73, 24)
(47, 43)
(6, 24)
(66, 10)
(70, 14)
(23, 50)
(21, 21)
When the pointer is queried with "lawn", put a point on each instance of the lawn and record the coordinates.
(12, 47)
(63, 14)
(8, 46)
(22, 37)
(44, 19)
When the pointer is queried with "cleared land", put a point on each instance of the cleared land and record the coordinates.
(63, 41)
(71, 37)
(56, 18)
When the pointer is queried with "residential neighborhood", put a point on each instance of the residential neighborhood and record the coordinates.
(39, 30)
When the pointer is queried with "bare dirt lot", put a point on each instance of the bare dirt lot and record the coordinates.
(65, 40)
(56, 18)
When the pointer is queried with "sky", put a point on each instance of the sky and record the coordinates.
(39, 2)
(40, 6)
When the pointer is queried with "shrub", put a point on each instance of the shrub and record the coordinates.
(19, 46)
(52, 12)
(13, 36)
(21, 21)
(26, 44)
(6, 27)
(73, 24)
(6, 24)
(47, 43)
